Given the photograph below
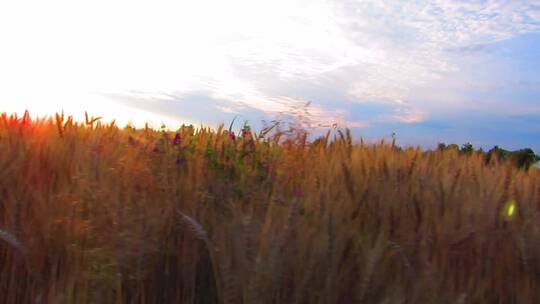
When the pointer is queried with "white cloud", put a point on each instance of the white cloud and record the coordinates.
(416, 35)
(408, 115)
(246, 52)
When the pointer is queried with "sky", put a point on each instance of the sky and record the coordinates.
(451, 71)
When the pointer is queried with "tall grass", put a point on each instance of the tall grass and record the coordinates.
(93, 213)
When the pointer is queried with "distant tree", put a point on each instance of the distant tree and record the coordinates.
(467, 148)
(494, 153)
(524, 158)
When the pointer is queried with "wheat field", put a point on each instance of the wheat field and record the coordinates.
(94, 213)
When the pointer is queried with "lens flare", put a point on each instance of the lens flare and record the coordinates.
(510, 208)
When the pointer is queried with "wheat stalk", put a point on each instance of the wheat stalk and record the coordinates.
(200, 233)
(195, 228)
(11, 240)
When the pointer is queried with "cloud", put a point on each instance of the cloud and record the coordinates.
(414, 38)
(383, 67)
(200, 108)
(372, 51)
(244, 57)
(409, 116)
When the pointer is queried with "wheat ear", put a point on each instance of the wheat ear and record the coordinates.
(11, 240)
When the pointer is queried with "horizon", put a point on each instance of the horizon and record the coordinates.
(428, 71)
(288, 123)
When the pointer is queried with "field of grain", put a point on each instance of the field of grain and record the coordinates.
(94, 213)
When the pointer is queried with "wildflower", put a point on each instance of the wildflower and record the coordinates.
(246, 132)
(177, 140)
(232, 136)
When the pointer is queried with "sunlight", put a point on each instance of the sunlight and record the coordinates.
(95, 105)
(73, 53)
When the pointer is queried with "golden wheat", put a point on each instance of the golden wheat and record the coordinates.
(121, 215)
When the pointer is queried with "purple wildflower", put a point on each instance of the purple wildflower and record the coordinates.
(232, 136)
(176, 140)
(246, 132)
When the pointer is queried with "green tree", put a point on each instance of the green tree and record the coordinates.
(467, 148)
(524, 158)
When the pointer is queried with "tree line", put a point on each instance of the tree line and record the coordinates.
(522, 158)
